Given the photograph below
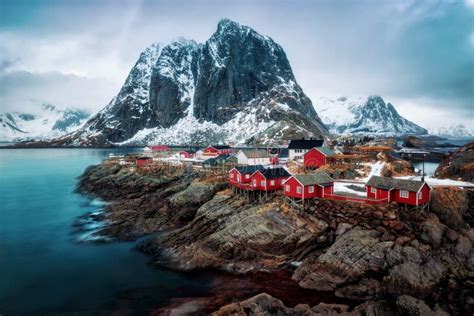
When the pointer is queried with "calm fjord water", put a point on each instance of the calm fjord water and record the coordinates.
(43, 269)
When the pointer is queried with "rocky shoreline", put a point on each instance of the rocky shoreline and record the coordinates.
(369, 259)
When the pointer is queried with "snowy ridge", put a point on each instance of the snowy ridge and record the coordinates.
(364, 115)
(45, 123)
(456, 130)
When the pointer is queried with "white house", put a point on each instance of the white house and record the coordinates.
(253, 157)
(298, 147)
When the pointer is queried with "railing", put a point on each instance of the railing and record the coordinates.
(354, 199)
(243, 186)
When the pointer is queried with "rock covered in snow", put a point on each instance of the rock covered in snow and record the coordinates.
(364, 115)
(236, 87)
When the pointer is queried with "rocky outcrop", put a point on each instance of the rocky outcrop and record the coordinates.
(229, 234)
(353, 255)
(459, 165)
(364, 253)
(451, 205)
(188, 93)
(414, 142)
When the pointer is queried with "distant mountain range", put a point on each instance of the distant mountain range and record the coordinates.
(45, 123)
(456, 130)
(236, 87)
(364, 116)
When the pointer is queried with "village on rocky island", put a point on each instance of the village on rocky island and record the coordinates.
(353, 219)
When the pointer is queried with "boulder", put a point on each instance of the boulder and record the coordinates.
(410, 306)
(353, 254)
(432, 231)
(414, 279)
(450, 204)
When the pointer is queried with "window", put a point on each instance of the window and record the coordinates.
(311, 189)
(298, 190)
(373, 190)
(262, 183)
(232, 176)
(254, 182)
(287, 188)
(404, 194)
(247, 176)
(420, 195)
(272, 182)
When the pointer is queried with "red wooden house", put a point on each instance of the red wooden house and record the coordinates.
(142, 161)
(217, 150)
(306, 186)
(243, 174)
(160, 148)
(187, 153)
(269, 179)
(317, 157)
(409, 192)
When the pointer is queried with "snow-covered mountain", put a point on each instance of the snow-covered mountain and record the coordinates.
(364, 116)
(456, 130)
(236, 87)
(46, 123)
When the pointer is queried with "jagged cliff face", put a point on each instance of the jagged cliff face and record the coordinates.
(236, 87)
(365, 115)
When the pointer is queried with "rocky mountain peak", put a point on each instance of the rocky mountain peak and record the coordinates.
(238, 86)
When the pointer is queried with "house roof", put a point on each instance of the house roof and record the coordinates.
(255, 153)
(326, 151)
(305, 143)
(189, 151)
(250, 169)
(144, 158)
(272, 173)
(220, 146)
(391, 183)
(317, 178)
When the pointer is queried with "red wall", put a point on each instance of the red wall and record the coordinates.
(294, 184)
(258, 177)
(314, 158)
(142, 162)
(244, 178)
(379, 195)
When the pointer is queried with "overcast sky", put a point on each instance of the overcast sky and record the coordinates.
(418, 55)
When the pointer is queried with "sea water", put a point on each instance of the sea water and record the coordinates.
(44, 268)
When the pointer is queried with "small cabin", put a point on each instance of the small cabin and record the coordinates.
(143, 161)
(298, 147)
(307, 186)
(269, 179)
(317, 157)
(243, 174)
(187, 154)
(160, 148)
(403, 191)
(217, 150)
(253, 157)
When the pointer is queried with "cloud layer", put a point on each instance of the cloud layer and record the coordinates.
(418, 55)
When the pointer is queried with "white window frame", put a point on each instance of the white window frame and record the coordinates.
(287, 188)
(231, 175)
(298, 190)
(272, 182)
(262, 183)
(420, 195)
(311, 189)
(404, 194)
(373, 190)
(247, 176)
(254, 182)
